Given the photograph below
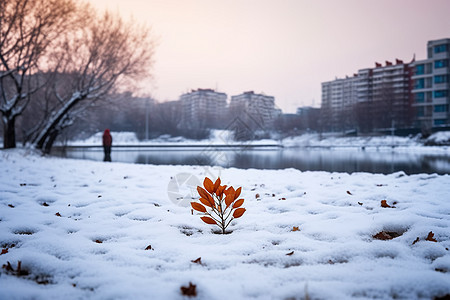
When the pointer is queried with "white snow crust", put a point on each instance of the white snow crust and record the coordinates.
(111, 212)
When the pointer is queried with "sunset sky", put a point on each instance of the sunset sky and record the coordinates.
(282, 48)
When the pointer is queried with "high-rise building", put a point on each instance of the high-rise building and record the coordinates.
(338, 99)
(203, 108)
(374, 98)
(384, 96)
(258, 107)
(431, 86)
(394, 95)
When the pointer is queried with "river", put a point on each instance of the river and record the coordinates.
(347, 160)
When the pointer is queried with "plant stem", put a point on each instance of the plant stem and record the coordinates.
(221, 215)
(229, 222)
(212, 217)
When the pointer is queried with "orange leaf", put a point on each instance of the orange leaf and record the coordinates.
(208, 220)
(430, 237)
(197, 261)
(201, 191)
(229, 199)
(384, 204)
(204, 194)
(189, 291)
(198, 206)
(209, 185)
(206, 202)
(295, 228)
(382, 235)
(238, 203)
(229, 191)
(238, 212)
(237, 193)
(217, 184)
(220, 190)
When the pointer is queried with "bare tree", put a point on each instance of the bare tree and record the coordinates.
(89, 64)
(28, 28)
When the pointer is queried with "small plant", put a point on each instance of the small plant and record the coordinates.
(219, 204)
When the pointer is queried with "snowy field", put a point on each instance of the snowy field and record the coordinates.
(94, 230)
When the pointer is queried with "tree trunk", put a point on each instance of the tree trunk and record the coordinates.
(9, 133)
(46, 134)
(50, 140)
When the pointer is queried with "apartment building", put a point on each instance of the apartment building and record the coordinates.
(384, 96)
(431, 86)
(338, 99)
(372, 99)
(257, 107)
(203, 108)
(394, 95)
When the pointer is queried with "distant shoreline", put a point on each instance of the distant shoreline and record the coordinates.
(175, 146)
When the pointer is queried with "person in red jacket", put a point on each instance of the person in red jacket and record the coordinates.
(107, 143)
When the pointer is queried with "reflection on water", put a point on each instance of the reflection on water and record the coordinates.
(304, 159)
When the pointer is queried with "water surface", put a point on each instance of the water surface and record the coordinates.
(348, 160)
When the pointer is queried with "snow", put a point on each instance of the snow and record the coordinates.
(111, 212)
(442, 137)
(336, 141)
(122, 138)
(217, 137)
(439, 140)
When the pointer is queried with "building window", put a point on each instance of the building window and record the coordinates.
(440, 79)
(420, 69)
(420, 97)
(420, 112)
(440, 48)
(440, 94)
(439, 122)
(441, 63)
(419, 83)
(440, 108)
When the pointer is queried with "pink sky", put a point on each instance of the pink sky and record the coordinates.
(283, 48)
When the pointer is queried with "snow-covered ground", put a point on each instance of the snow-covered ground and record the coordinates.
(439, 140)
(326, 140)
(316, 140)
(217, 137)
(81, 229)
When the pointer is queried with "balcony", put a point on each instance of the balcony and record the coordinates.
(441, 55)
(415, 77)
(440, 115)
(441, 86)
(441, 71)
(440, 101)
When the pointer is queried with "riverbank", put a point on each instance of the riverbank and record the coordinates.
(84, 229)
(223, 138)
